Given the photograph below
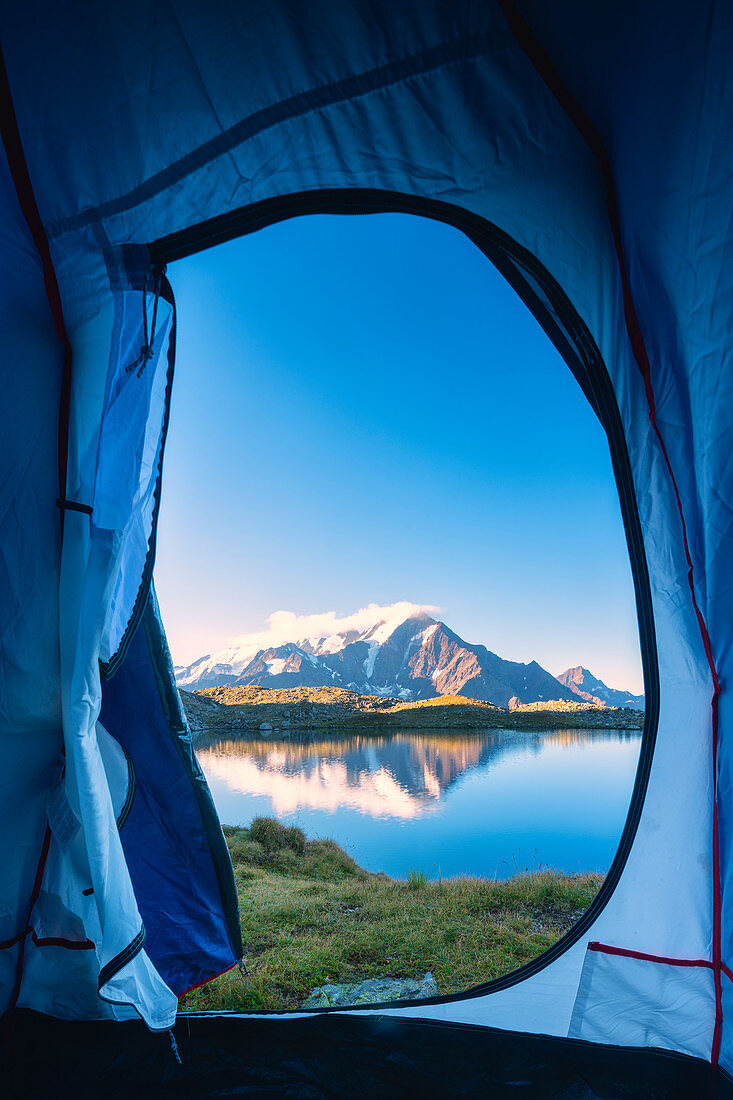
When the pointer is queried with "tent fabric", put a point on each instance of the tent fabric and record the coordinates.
(339, 1054)
(165, 835)
(593, 137)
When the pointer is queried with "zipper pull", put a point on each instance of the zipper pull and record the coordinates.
(146, 351)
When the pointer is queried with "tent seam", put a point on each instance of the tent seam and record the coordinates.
(284, 110)
(643, 956)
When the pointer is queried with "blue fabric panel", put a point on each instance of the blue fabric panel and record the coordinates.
(30, 698)
(29, 481)
(168, 80)
(167, 843)
(675, 204)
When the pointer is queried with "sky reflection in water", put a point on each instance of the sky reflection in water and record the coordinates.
(454, 803)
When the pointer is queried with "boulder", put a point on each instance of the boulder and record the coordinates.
(372, 991)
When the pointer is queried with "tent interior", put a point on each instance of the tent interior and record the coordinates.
(585, 150)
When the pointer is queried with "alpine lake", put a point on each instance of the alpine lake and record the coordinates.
(443, 803)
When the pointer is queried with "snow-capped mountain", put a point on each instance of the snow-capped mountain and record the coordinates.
(586, 686)
(314, 635)
(411, 657)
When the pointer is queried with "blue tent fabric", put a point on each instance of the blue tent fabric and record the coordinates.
(171, 838)
(594, 141)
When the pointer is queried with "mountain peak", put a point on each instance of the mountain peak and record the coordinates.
(399, 650)
(578, 674)
(588, 687)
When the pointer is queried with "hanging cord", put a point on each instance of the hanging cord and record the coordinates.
(174, 1047)
(146, 351)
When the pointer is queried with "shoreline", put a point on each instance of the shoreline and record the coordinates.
(279, 713)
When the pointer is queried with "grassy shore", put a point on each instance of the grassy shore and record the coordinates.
(310, 916)
(280, 712)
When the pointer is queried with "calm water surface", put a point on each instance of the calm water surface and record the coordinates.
(443, 803)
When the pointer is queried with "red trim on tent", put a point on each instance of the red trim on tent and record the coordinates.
(541, 61)
(49, 941)
(33, 899)
(626, 952)
(11, 943)
(59, 941)
(198, 985)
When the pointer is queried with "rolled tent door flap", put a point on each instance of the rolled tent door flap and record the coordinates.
(116, 422)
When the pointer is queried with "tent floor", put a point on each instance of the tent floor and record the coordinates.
(330, 1055)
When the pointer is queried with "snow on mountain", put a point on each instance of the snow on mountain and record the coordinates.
(316, 635)
(399, 651)
(586, 686)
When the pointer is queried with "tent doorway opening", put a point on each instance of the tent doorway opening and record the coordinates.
(393, 569)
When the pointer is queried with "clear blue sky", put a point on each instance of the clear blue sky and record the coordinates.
(364, 412)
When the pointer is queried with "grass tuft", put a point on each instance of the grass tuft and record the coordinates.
(274, 836)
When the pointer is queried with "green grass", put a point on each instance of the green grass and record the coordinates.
(416, 879)
(310, 915)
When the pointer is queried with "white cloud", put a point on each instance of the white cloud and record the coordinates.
(287, 626)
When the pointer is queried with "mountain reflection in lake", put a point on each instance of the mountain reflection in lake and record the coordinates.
(445, 803)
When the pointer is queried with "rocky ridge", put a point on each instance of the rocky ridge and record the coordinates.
(282, 713)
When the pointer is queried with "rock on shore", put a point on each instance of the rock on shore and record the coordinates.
(372, 991)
